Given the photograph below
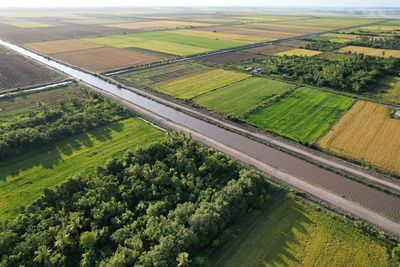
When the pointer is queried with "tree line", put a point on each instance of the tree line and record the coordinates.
(354, 73)
(322, 45)
(34, 129)
(378, 42)
(162, 205)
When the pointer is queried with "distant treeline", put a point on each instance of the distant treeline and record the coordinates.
(355, 73)
(86, 111)
(374, 42)
(163, 203)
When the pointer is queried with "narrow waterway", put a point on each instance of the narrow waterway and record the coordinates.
(375, 200)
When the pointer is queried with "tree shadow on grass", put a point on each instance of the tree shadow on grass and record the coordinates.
(51, 155)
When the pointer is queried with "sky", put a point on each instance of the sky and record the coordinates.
(274, 3)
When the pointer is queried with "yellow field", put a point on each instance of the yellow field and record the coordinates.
(376, 52)
(245, 39)
(367, 133)
(161, 24)
(27, 24)
(298, 52)
(52, 47)
(382, 28)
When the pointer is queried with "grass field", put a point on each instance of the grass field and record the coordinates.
(244, 39)
(165, 41)
(377, 52)
(22, 179)
(298, 52)
(367, 133)
(293, 233)
(392, 90)
(193, 85)
(160, 24)
(304, 115)
(242, 96)
(164, 73)
(14, 106)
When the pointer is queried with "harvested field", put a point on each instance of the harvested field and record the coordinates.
(15, 106)
(338, 22)
(22, 179)
(238, 98)
(391, 92)
(298, 52)
(230, 58)
(191, 86)
(157, 25)
(30, 35)
(293, 233)
(164, 73)
(367, 133)
(268, 49)
(17, 71)
(106, 58)
(304, 115)
(376, 52)
(26, 24)
(60, 46)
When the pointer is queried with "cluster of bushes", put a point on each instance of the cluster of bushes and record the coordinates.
(374, 42)
(168, 201)
(352, 74)
(86, 111)
(323, 45)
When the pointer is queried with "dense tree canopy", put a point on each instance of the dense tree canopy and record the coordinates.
(353, 74)
(323, 45)
(86, 111)
(376, 42)
(163, 205)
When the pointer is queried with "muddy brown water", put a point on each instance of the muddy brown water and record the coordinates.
(380, 202)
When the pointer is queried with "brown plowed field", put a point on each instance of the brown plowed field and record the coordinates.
(16, 71)
(268, 49)
(106, 58)
(60, 46)
(21, 35)
(230, 58)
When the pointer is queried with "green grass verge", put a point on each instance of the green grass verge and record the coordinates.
(303, 115)
(292, 233)
(191, 86)
(18, 105)
(390, 89)
(22, 179)
(242, 96)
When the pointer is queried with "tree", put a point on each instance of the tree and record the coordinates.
(42, 255)
(63, 239)
(183, 259)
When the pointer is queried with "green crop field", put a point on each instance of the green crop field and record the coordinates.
(391, 87)
(14, 106)
(242, 96)
(23, 178)
(191, 86)
(292, 233)
(304, 115)
(164, 73)
(164, 41)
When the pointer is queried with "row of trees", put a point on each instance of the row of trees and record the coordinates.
(163, 205)
(377, 42)
(322, 45)
(86, 111)
(355, 73)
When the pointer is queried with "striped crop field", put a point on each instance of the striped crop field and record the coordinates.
(191, 86)
(298, 52)
(304, 115)
(239, 98)
(367, 133)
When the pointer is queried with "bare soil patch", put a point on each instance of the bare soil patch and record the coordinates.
(106, 58)
(17, 71)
